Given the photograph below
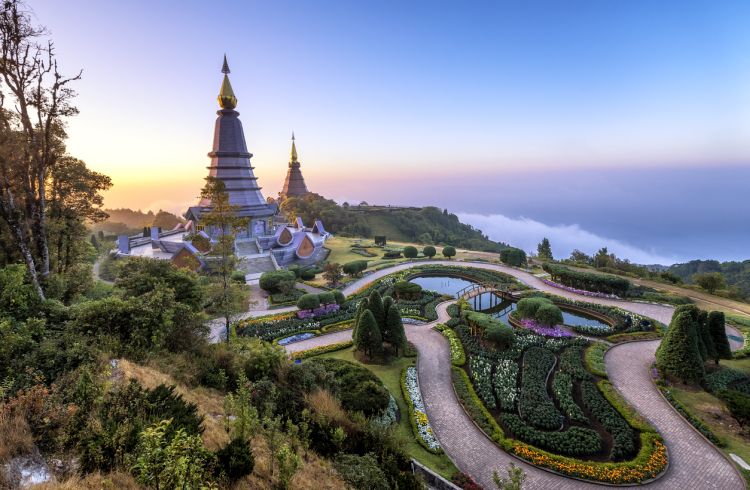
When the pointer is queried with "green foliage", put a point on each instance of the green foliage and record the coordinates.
(355, 267)
(368, 339)
(138, 276)
(623, 437)
(17, 298)
(474, 407)
(499, 334)
(678, 354)
(429, 251)
(544, 250)
(177, 462)
(277, 281)
(361, 471)
(710, 281)
(562, 386)
(407, 290)
(449, 251)
(588, 281)
(240, 404)
(308, 302)
(514, 480)
(326, 298)
(356, 386)
(738, 404)
(527, 307)
(548, 315)
(534, 405)
(704, 334)
(338, 296)
(258, 359)
(571, 363)
(692, 419)
(394, 332)
(718, 333)
(288, 462)
(307, 274)
(594, 357)
(238, 276)
(575, 441)
(734, 274)
(235, 460)
(513, 256)
(375, 305)
(410, 252)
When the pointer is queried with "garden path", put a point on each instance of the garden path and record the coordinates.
(694, 462)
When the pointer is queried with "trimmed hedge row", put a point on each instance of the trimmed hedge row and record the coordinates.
(458, 356)
(587, 281)
(576, 441)
(623, 437)
(571, 362)
(534, 404)
(321, 349)
(594, 357)
(562, 386)
(476, 409)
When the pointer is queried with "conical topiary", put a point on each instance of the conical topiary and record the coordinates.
(368, 337)
(375, 305)
(695, 313)
(705, 336)
(394, 332)
(678, 354)
(361, 307)
(718, 333)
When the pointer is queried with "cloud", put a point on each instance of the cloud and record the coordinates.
(526, 233)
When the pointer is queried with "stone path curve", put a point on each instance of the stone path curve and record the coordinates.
(694, 462)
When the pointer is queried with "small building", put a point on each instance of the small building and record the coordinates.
(294, 184)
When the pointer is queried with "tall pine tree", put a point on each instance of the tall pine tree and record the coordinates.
(394, 329)
(705, 335)
(375, 305)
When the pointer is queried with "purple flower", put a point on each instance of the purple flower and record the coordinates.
(579, 291)
(555, 331)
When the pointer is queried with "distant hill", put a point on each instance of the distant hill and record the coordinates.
(124, 220)
(736, 274)
(428, 225)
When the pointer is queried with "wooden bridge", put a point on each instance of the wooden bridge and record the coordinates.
(498, 294)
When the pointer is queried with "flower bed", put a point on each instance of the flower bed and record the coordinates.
(322, 349)
(582, 292)
(576, 441)
(321, 311)
(458, 357)
(338, 326)
(622, 434)
(555, 331)
(571, 362)
(594, 331)
(295, 338)
(504, 382)
(419, 422)
(481, 375)
(562, 386)
(594, 358)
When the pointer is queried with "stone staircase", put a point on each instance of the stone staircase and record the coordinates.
(246, 248)
(257, 265)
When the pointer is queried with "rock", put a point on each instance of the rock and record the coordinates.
(25, 471)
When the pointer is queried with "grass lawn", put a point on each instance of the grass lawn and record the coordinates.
(713, 413)
(391, 376)
(738, 364)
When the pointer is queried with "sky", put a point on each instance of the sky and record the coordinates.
(624, 124)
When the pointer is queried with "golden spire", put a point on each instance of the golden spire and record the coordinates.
(226, 97)
(294, 150)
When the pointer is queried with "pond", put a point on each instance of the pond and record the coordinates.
(442, 284)
(502, 308)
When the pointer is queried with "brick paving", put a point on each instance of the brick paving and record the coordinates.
(694, 462)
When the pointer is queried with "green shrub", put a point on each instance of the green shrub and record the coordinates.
(718, 333)
(576, 441)
(308, 302)
(307, 274)
(678, 353)
(571, 362)
(429, 251)
(338, 296)
(622, 434)
(548, 315)
(588, 281)
(527, 307)
(277, 281)
(355, 267)
(392, 254)
(534, 404)
(562, 386)
(238, 276)
(235, 460)
(594, 357)
(358, 388)
(326, 298)
(361, 471)
(322, 349)
(407, 290)
(410, 252)
(449, 251)
(738, 404)
(513, 256)
(500, 334)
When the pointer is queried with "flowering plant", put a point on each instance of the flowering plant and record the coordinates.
(420, 423)
(582, 292)
(555, 331)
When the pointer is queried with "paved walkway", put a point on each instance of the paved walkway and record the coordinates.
(695, 463)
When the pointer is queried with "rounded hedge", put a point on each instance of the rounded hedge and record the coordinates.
(326, 298)
(308, 302)
(274, 281)
(449, 251)
(406, 289)
(429, 251)
(500, 334)
(354, 267)
(527, 307)
(548, 315)
(307, 274)
(338, 296)
(410, 252)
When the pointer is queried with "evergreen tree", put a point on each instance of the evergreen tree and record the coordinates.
(361, 308)
(368, 337)
(387, 303)
(695, 315)
(719, 336)
(705, 335)
(375, 305)
(678, 354)
(544, 249)
(394, 332)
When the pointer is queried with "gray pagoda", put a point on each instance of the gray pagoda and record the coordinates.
(294, 184)
(230, 163)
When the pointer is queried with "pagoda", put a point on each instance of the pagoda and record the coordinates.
(230, 163)
(294, 184)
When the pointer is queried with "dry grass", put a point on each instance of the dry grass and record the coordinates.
(15, 435)
(119, 480)
(314, 473)
(210, 402)
(326, 406)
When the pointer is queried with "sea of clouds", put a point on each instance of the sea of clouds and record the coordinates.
(526, 233)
